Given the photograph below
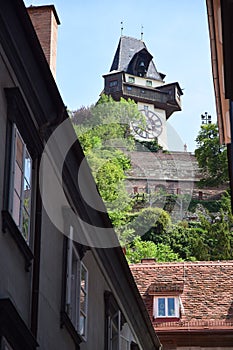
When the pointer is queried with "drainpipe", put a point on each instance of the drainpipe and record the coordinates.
(36, 263)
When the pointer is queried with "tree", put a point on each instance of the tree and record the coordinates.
(140, 249)
(152, 224)
(189, 243)
(148, 146)
(211, 156)
(218, 228)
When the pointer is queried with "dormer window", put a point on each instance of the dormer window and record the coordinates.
(139, 63)
(141, 70)
(166, 307)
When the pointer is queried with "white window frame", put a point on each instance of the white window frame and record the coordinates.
(15, 134)
(156, 305)
(73, 293)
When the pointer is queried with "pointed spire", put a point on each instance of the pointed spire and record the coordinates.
(122, 28)
(142, 32)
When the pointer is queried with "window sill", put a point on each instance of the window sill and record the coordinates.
(8, 225)
(65, 321)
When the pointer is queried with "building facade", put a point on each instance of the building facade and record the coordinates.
(62, 287)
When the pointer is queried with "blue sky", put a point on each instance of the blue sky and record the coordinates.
(175, 33)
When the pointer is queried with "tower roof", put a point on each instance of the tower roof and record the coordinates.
(127, 51)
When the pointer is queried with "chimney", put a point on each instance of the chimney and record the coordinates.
(148, 261)
(45, 21)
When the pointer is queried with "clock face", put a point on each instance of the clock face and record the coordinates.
(154, 126)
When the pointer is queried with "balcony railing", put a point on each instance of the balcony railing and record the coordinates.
(145, 94)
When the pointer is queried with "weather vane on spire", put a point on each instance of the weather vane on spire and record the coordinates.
(142, 32)
(122, 28)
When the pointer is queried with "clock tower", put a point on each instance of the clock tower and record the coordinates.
(133, 75)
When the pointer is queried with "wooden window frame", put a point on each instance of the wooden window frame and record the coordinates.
(12, 188)
(19, 115)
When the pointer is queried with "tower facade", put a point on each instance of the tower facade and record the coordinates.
(133, 75)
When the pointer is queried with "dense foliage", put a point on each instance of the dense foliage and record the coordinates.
(141, 249)
(211, 156)
(210, 237)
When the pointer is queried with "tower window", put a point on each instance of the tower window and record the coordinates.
(131, 80)
(149, 83)
(113, 83)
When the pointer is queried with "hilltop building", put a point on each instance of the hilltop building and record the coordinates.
(133, 74)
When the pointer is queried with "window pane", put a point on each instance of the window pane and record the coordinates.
(25, 226)
(27, 171)
(21, 186)
(16, 208)
(131, 79)
(73, 307)
(18, 179)
(82, 325)
(161, 307)
(115, 339)
(113, 83)
(19, 150)
(83, 302)
(83, 278)
(124, 344)
(171, 306)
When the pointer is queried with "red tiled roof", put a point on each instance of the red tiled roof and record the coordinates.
(205, 289)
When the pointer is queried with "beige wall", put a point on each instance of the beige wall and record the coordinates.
(142, 81)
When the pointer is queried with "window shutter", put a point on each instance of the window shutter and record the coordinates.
(181, 306)
(69, 265)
